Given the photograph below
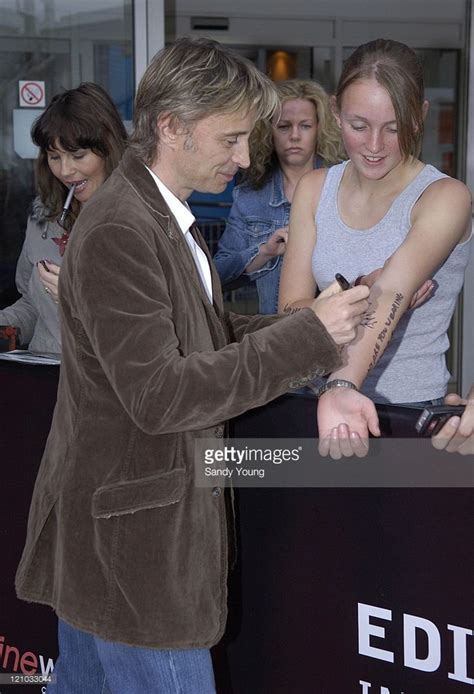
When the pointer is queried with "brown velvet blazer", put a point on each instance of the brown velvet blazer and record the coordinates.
(121, 543)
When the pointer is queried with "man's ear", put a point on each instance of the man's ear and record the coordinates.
(168, 129)
(425, 107)
(335, 110)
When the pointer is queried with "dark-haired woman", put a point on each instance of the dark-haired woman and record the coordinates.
(382, 206)
(81, 139)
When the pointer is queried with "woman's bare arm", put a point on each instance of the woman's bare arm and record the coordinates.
(297, 285)
(441, 219)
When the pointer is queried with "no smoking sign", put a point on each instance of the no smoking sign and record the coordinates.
(32, 94)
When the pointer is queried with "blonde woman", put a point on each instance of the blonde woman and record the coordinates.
(303, 138)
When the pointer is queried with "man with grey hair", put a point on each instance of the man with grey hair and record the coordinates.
(130, 553)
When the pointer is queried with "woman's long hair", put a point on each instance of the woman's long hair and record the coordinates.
(329, 146)
(81, 118)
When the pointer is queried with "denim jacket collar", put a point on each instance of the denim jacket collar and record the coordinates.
(277, 196)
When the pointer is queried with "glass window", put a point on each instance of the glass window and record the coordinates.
(440, 69)
(60, 44)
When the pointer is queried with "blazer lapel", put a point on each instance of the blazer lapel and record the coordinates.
(135, 172)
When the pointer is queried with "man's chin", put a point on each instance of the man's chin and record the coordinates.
(217, 187)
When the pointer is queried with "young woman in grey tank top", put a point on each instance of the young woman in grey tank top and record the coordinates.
(382, 207)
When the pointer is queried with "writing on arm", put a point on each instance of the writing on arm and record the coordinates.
(290, 310)
(440, 220)
(386, 333)
(369, 320)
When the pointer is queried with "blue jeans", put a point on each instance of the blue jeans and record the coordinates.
(89, 665)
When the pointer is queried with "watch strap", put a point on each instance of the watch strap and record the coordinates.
(336, 383)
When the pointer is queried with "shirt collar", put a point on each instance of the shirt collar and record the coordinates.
(180, 211)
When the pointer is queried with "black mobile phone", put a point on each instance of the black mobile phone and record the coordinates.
(434, 417)
(43, 263)
(342, 282)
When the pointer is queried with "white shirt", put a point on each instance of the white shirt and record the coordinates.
(185, 219)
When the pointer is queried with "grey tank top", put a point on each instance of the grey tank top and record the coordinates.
(413, 366)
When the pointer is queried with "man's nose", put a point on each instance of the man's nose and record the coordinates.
(242, 155)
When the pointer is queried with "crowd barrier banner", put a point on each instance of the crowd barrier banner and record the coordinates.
(342, 591)
(335, 590)
(28, 644)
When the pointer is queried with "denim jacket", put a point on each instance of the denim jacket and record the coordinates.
(254, 216)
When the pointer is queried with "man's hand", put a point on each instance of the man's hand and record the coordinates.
(345, 418)
(419, 297)
(341, 312)
(458, 432)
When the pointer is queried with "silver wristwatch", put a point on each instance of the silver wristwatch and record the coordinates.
(336, 383)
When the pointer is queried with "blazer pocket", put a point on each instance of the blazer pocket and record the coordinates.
(130, 496)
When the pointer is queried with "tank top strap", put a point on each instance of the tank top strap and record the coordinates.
(407, 199)
(328, 197)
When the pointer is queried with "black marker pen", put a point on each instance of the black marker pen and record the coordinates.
(342, 282)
